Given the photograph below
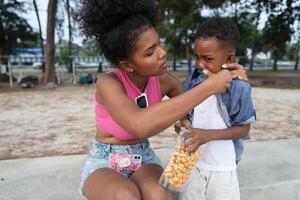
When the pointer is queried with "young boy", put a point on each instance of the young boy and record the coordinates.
(221, 121)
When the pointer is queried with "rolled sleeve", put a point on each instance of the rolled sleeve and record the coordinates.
(241, 110)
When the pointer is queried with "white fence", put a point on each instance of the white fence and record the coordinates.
(33, 64)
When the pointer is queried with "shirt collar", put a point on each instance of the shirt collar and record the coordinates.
(197, 76)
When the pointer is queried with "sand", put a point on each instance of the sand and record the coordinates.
(39, 122)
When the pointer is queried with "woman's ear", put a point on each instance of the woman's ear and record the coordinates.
(125, 66)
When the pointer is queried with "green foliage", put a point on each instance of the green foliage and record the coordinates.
(63, 51)
(14, 29)
(179, 24)
(88, 49)
(278, 29)
(291, 52)
(213, 3)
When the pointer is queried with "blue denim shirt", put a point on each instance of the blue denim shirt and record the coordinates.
(235, 105)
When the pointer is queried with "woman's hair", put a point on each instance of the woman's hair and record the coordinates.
(224, 29)
(116, 24)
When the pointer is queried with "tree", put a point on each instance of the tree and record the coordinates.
(70, 32)
(297, 17)
(14, 29)
(297, 55)
(278, 29)
(259, 4)
(50, 45)
(239, 11)
(291, 52)
(214, 5)
(40, 33)
(180, 21)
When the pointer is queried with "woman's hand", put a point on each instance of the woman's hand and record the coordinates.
(236, 71)
(195, 138)
(219, 82)
(185, 123)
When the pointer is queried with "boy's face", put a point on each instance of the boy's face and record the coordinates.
(211, 55)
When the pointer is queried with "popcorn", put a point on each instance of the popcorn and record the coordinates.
(179, 168)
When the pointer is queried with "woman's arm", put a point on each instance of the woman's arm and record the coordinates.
(143, 123)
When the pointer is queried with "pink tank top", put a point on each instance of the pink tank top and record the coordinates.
(103, 119)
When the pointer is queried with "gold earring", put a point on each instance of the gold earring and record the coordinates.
(129, 69)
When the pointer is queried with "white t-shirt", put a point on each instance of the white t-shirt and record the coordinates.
(218, 155)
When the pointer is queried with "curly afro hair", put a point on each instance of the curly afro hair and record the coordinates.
(116, 24)
(224, 29)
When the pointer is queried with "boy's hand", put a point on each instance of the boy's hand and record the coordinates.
(185, 123)
(195, 138)
(236, 71)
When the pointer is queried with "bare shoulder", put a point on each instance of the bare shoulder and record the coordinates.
(108, 84)
(104, 81)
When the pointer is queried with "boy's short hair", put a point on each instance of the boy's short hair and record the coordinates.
(224, 29)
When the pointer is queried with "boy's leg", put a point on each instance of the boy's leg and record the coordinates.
(195, 189)
(223, 186)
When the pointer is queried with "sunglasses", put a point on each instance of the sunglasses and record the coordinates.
(142, 100)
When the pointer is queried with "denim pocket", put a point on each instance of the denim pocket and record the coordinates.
(98, 151)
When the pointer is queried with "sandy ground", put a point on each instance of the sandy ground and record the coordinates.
(60, 121)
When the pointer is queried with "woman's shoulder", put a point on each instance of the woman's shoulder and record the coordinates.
(106, 78)
(108, 81)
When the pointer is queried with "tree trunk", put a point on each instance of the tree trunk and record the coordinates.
(174, 63)
(174, 59)
(40, 34)
(275, 56)
(297, 55)
(187, 53)
(50, 45)
(3, 42)
(253, 52)
(70, 34)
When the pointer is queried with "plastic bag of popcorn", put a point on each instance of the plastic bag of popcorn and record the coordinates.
(180, 166)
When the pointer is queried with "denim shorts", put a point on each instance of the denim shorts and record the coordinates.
(98, 157)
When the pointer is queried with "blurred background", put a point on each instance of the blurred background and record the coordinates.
(41, 42)
(48, 73)
(48, 70)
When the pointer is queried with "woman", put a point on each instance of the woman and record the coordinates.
(128, 100)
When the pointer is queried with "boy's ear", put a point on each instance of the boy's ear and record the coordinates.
(231, 58)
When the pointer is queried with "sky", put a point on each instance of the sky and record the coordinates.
(32, 20)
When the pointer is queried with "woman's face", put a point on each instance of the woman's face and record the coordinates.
(149, 57)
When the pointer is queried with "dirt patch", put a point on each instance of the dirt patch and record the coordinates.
(36, 122)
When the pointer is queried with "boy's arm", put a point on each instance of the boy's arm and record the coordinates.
(196, 136)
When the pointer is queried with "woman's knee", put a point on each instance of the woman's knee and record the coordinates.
(127, 192)
(105, 184)
(156, 191)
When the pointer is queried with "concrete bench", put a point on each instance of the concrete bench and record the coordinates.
(269, 170)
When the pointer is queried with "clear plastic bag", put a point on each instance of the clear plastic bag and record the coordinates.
(179, 169)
